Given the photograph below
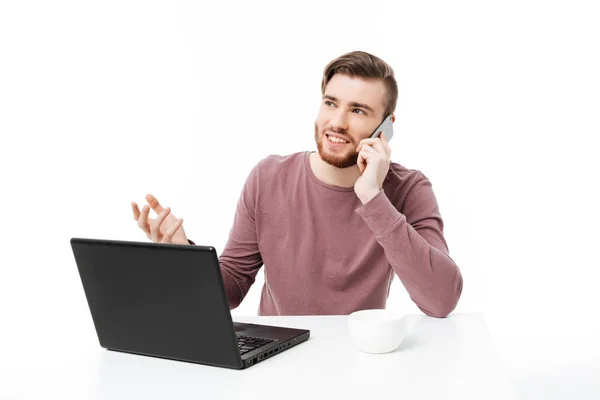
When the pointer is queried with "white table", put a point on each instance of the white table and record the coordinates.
(450, 358)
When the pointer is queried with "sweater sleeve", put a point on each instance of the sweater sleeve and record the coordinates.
(240, 260)
(415, 247)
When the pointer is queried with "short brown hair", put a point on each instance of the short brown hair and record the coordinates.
(365, 65)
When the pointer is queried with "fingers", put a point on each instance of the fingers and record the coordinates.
(136, 211)
(168, 236)
(366, 153)
(366, 149)
(154, 204)
(143, 220)
(377, 147)
(365, 142)
(152, 227)
(380, 146)
(377, 143)
(155, 226)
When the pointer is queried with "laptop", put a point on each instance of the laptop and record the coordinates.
(168, 301)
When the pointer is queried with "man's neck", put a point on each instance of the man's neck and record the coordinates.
(326, 173)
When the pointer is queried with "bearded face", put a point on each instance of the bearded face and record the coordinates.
(351, 109)
(336, 148)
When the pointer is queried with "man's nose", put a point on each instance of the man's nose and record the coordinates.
(339, 121)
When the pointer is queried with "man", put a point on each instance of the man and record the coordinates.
(332, 227)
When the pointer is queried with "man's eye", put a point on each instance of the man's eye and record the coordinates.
(358, 109)
(327, 102)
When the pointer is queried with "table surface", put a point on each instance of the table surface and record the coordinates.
(451, 358)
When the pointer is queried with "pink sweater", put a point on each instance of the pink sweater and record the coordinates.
(326, 253)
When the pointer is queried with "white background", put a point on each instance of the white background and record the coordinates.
(103, 102)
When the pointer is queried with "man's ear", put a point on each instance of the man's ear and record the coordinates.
(393, 118)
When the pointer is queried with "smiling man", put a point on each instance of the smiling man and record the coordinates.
(332, 227)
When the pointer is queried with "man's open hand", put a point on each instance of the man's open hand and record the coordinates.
(165, 228)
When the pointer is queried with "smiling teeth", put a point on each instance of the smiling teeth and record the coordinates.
(337, 140)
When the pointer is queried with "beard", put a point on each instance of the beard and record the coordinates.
(341, 160)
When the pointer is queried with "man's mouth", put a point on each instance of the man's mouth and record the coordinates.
(336, 140)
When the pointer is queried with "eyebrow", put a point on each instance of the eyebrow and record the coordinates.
(352, 104)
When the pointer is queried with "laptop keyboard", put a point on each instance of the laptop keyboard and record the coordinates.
(249, 343)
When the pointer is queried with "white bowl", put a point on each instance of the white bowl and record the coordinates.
(377, 331)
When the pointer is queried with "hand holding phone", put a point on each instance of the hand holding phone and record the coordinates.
(385, 126)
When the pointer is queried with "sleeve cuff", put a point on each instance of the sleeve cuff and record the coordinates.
(379, 213)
